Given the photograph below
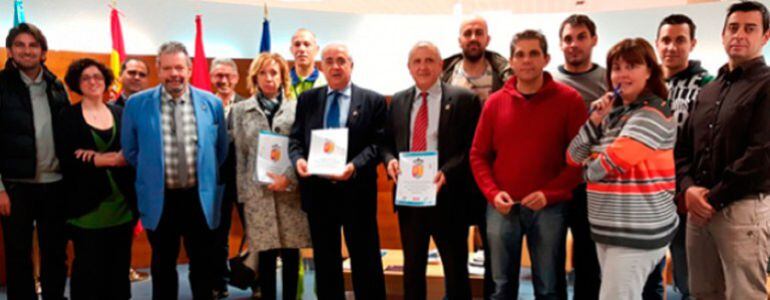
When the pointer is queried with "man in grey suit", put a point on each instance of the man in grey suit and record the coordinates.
(434, 116)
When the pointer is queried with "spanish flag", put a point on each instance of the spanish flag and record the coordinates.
(118, 54)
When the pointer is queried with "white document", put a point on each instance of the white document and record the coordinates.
(415, 183)
(272, 155)
(328, 151)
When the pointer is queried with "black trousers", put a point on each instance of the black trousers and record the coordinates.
(182, 218)
(289, 272)
(102, 260)
(42, 206)
(417, 225)
(222, 233)
(489, 283)
(588, 277)
(363, 242)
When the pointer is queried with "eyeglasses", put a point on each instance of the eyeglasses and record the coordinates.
(87, 78)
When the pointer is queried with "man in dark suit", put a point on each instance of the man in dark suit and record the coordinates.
(433, 116)
(133, 78)
(348, 200)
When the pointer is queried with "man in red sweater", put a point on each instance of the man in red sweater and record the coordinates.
(518, 161)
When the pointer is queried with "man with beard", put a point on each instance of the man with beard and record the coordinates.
(476, 69)
(684, 79)
(482, 72)
(31, 185)
(133, 79)
(224, 77)
(304, 74)
(577, 38)
(175, 137)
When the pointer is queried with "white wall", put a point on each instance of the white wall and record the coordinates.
(379, 42)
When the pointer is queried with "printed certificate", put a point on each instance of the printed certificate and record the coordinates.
(328, 151)
(272, 155)
(415, 183)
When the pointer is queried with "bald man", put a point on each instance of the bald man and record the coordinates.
(476, 68)
(349, 200)
(304, 74)
(448, 116)
(483, 72)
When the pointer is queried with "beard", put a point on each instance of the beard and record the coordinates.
(27, 66)
(473, 55)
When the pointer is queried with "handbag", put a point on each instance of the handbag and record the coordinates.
(242, 276)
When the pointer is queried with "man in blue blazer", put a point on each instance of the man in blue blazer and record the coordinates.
(175, 137)
(348, 200)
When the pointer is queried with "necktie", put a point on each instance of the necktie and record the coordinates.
(179, 127)
(420, 131)
(333, 116)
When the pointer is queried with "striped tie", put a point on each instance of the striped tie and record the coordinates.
(420, 131)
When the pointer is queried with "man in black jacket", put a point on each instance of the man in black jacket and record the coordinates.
(133, 78)
(483, 72)
(31, 190)
(348, 200)
(434, 116)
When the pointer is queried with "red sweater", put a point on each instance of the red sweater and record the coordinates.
(520, 143)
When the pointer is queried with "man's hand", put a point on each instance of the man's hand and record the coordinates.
(394, 169)
(5, 204)
(700, 211)
(349, 170)
(439, 180)
(534, 201)
(503, 203)
(302, 168)
(280, 182)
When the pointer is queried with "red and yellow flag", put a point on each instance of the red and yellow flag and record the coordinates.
(118, 54)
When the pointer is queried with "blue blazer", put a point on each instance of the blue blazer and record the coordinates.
(142, 141)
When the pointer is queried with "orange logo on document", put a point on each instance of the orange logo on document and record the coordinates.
(418, 169)
(328, 147)
(275, 153)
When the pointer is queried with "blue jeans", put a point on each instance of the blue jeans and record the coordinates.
(546, 232)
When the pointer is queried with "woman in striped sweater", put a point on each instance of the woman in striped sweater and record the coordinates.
(626, 149)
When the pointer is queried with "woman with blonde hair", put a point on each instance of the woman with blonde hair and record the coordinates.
(626, 148)
(276, 226)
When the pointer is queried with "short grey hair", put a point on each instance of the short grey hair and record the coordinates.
(173, 47)
(344, 47)
(223, 61)
(424, 45)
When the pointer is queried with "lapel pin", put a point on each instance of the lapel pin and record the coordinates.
(447, 107)
(355, 113)
(203, 107)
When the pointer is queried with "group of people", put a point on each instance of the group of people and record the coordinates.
(650, 154)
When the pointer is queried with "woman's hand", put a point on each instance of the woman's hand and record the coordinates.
(85, 155)
(600, 108)
(280, 182)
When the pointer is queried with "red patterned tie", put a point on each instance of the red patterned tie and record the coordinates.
(420, 132)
